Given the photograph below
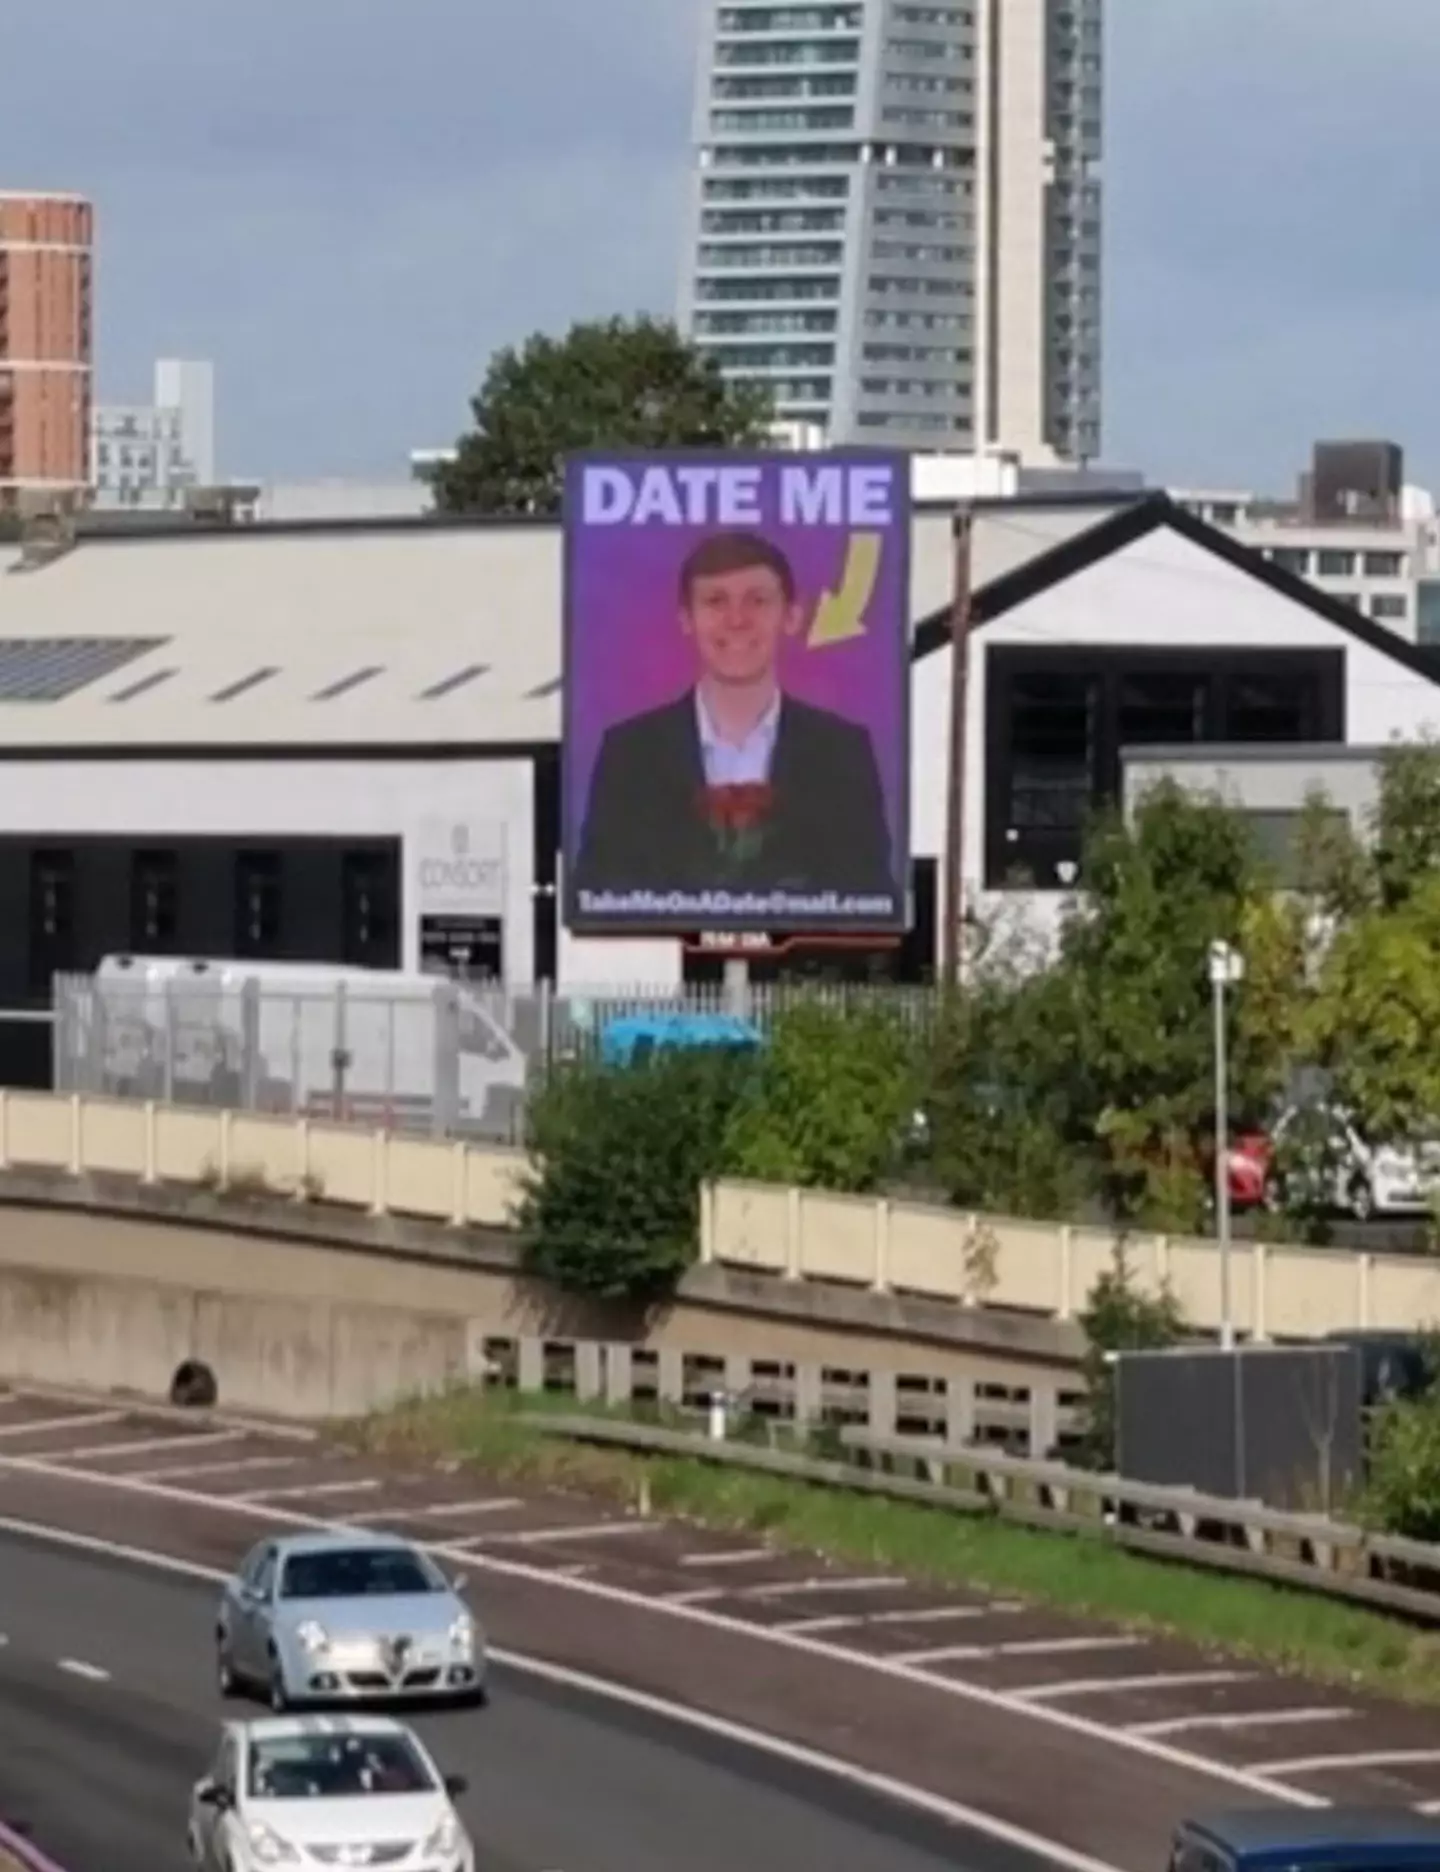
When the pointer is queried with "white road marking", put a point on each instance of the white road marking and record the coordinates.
(782, 1589)
(980, 1696)
(74, 1422)
(1026, 1647)
(178, 1414)
(1428, 1807)
(955, 1813)
(244, 1465)
(702, 1597)
(308, 1489)
(77, 1667)
(1105, 1686)
(541, 1537)
(740, 1556)
(1247, 1719)
(143, 1444)
(1323, 1764)
(491, 1504)
(927, 1615)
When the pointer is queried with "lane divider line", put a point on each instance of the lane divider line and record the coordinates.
(265, 1495)
(1322, 1764)
(145, 1444)
(77, 1667)
(1153, 1680)
(1153, 1748)
(40, 1426)
(921, 1800)
(240, 1466)
(1242, 1719)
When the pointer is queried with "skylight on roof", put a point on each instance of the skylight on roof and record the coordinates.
(252, 681)
(456, 681)
(47, 669)
(347, 683)
(145, 683)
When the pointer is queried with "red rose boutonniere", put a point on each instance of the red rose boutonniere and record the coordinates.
(737, 817)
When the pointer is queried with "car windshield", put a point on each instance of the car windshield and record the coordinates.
(336, 1767)
(358, 1573)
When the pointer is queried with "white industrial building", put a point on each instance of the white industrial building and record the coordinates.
(339, 742)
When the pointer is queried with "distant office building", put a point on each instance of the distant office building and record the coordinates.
(46, 338)
(1355, 529)
(151, 456)
(895, 222)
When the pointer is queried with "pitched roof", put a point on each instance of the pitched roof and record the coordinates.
(1134, 521)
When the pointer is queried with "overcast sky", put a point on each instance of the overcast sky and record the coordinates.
(348, 204)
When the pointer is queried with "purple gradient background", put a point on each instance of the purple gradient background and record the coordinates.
(626, 651)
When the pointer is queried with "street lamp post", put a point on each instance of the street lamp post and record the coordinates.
(1227, 968)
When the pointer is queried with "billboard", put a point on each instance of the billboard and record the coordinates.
(737, 692)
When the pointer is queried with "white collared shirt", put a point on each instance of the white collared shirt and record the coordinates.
(738, 763)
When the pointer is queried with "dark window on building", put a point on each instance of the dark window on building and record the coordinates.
(257, 903)
(1058, 720)
(1269, 706)
(369, 911)
(52, 918)
(154, 901)
(1157, 707)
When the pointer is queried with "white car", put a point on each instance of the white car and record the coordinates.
(322, 1790)
(1368, 1180)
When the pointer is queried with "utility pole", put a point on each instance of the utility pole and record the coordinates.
(1227, 970)
(953, 897)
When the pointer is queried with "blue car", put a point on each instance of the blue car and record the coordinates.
(633, 1037)
(1286, 1839)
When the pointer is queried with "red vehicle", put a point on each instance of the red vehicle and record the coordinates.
(1249, 1169)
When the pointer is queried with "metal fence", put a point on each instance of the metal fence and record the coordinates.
(450, 1057)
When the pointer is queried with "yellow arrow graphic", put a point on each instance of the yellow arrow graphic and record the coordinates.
(840, 614)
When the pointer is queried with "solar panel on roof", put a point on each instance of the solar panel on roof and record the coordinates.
(47, 669)
(457, 681)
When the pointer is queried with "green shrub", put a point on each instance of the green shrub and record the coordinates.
(612, 1206)
(1402, 1493)
(831, 1102)
(1119, 1318)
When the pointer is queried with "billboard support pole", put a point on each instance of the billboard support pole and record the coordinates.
(737, 986)
(960, 617)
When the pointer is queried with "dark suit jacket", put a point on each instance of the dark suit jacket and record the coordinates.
(644, 828)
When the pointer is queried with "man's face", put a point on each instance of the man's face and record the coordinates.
(738, 620)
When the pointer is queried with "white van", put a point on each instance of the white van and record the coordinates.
(379, 1046)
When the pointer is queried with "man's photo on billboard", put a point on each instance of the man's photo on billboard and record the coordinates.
(735, 782)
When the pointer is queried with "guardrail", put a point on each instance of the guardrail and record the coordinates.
(1336, 1559)
(1280, 1291)
(380, 1172)
(1039, 1268)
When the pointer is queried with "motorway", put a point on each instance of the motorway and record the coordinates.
(108, 1714)
(1022, 1726)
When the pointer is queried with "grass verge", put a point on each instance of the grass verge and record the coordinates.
(1285, 1628)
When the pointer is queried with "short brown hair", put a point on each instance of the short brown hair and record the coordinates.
(734, 552)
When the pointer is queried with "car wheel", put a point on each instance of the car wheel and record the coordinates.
(1360, 1198)
(279, 1696)
(226, 1681)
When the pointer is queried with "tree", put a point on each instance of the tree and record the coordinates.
(611, 1207)
(1181, 875)
(1119, 1318)
(1377, 1015)
(612, 383)
(831, 1100)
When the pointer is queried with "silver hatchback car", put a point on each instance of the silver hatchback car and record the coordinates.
(343, 1616)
